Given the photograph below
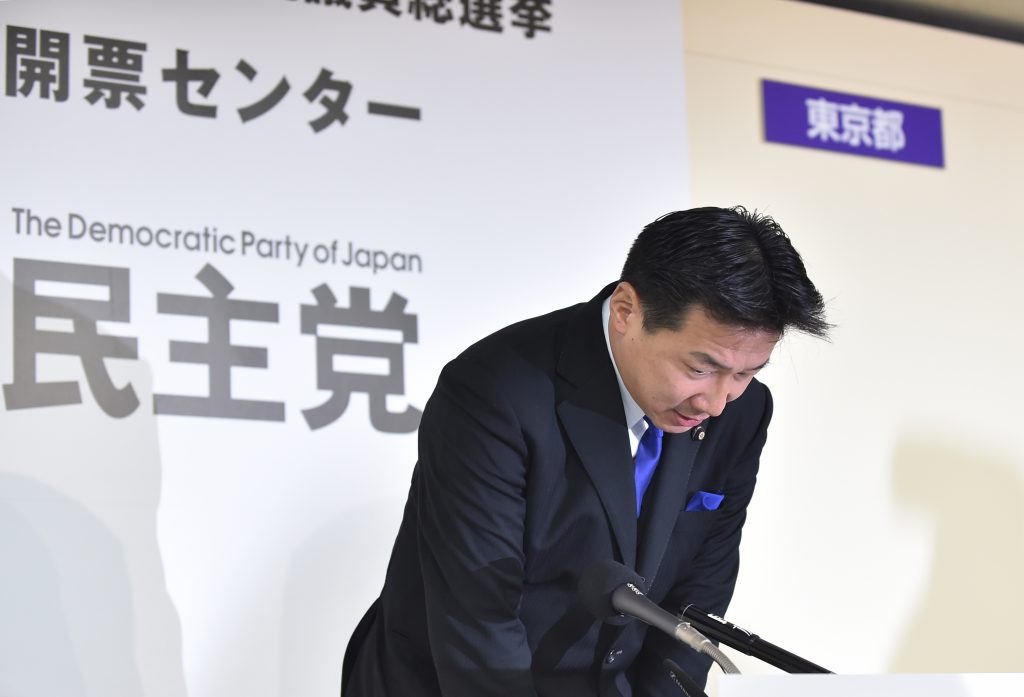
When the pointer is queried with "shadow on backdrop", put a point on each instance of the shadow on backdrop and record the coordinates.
(331, 564)
(83, 598)
(968, 616)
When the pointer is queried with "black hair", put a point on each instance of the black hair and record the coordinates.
(740, 267)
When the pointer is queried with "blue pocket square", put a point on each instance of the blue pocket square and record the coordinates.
(705, 501)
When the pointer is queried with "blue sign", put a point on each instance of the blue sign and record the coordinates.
(853, 124)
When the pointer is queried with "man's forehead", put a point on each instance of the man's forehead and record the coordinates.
(698, 321)
(725, 347)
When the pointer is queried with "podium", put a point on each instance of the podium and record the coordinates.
(898, 685)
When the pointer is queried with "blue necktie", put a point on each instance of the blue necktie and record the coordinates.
(647, 454)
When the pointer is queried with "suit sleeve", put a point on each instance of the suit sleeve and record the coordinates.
(471, 487)
(709, 579)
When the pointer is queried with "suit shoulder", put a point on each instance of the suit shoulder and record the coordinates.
(534, 341)
(518, 365)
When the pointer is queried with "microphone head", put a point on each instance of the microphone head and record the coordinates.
(597, 583)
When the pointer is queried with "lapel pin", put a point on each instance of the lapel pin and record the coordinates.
(697, 433)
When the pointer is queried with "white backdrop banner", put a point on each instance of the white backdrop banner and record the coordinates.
(238, 240)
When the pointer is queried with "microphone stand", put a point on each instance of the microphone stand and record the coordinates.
(747, 642)
(629, 599)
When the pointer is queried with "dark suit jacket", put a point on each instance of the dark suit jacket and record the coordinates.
(524, 478)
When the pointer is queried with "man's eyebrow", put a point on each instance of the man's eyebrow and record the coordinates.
(708, 360)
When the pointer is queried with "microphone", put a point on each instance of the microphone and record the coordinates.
(609, 590)
(747, 642)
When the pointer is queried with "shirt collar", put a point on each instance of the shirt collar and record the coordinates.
(634, 414)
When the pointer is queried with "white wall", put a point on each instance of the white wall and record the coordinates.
(887, 533)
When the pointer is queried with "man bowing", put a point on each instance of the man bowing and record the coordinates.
(629, 428)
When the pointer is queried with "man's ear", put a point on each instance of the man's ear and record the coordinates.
(625, 307)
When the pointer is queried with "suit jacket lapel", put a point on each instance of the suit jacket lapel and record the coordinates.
(667, 493)
(593, 418)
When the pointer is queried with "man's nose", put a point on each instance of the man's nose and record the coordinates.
(713, 401)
